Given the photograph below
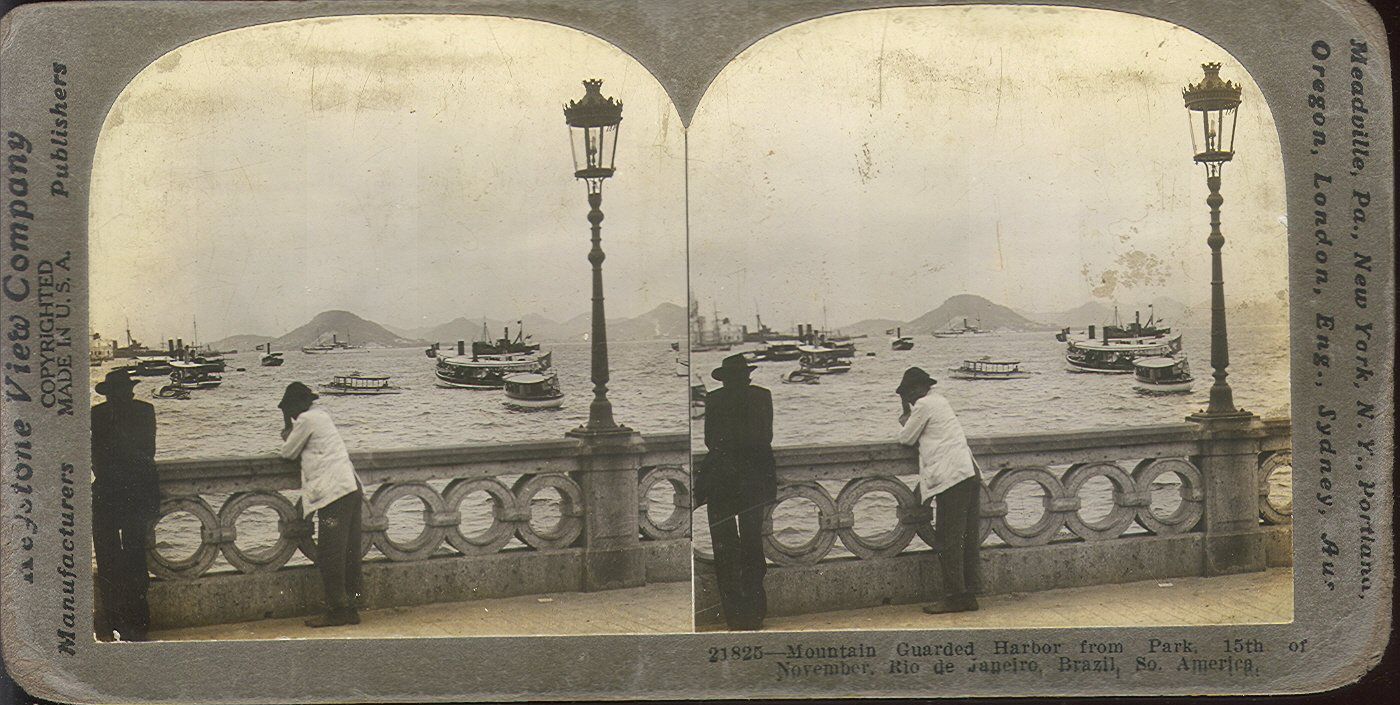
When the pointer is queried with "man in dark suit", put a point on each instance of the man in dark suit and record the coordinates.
(125, 502)
(738, 480)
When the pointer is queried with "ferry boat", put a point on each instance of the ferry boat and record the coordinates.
(779, 351)
(823, 360)
(1116, 355)
(1162, 375)
(987, 368)
(901, 341)
(153, 366)
(333, 347)
(533, 390)
(956, 331)
(193, 375)
(356, 384)
(487, 371)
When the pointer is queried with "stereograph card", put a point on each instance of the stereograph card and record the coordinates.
(458, 351)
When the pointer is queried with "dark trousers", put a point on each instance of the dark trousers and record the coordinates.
(740, 566)
(338, 551)
(959, 535)
(119, 545)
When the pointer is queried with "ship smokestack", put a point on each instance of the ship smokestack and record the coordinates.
(461, 347)
(1091, 332)
(170, 345)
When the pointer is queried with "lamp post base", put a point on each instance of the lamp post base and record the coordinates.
(609, 433)
(1238, 416)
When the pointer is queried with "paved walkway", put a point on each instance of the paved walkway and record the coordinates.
(655, 608)
(1251, 598)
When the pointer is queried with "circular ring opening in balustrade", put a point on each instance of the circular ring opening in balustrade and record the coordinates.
(265, 531)
(487, 515)
(1108, 500)
(412, 515)
(552, 506)
(664, 492)
(173, 551)
(1276, 488)
(808, 518)
(1176, 500)
(1029, 495)
(882, 514)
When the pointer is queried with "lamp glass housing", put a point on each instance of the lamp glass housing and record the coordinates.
(1213, 108)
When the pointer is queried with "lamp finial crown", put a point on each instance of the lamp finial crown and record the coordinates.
(1212, 92)
(593, 110)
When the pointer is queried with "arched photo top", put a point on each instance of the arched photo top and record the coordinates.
(875, 163)
(408, 168)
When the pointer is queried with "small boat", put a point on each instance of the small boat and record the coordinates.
(487, 371)
(356, 384)
(333, 347)
(170, 391)
(823, 360)
(955, 330)
(901, 341)
(1162, 375)
(533, 390)
(432, 350)
(698, 392)
(800, 376)
(193, 375)
(987, 368)
(272, 359)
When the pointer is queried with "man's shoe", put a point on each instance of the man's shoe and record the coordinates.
(333, 618)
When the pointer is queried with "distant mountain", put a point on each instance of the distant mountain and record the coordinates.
(874, 327)
(241, 343)
(1256, 312)
(978, 311)
(343, 326)
(667, 320)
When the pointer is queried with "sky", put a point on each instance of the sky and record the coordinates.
(873, 164)
(409, 168)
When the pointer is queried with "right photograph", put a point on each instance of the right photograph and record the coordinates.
(988, 328)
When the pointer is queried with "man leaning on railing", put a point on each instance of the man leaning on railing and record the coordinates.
(948, 472)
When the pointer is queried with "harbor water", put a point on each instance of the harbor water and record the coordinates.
(860, 406)
(241, 418)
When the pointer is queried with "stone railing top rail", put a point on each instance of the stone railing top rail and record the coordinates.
(272, 472)
(844, 460)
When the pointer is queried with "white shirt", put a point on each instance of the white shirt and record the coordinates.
(944, 458)
(326, 472)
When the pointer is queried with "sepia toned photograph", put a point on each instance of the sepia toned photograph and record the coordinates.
(483, 350)
(976, 343)
(347, 373)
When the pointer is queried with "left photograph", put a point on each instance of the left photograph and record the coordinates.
(388, 331)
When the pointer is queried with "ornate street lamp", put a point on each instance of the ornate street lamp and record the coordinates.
(593, 121)
(1213, 108)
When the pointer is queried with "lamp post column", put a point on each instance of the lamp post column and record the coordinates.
(1222, 399)
(600, 415)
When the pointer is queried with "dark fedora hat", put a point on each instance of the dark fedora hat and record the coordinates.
(297, 393)
(913, 377)
(114, 380)
(732, 365)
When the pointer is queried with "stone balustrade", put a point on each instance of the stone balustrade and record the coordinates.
(1081, 497)
(583, 544)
